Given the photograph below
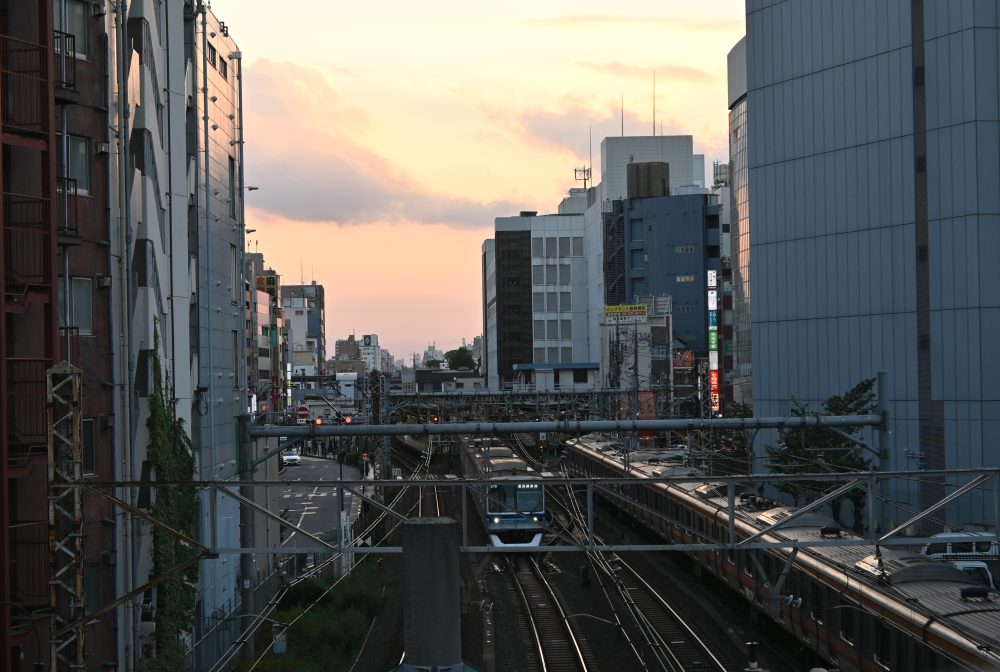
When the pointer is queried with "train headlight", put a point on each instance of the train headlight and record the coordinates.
(496, 520)
(534, 519)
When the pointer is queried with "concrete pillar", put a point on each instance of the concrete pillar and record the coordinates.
(432, 609)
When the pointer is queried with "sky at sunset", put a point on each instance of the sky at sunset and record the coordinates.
(384, 137)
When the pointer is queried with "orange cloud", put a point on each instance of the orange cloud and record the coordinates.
(305, 148)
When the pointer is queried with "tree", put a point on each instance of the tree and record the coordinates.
(819, 449)
(460, 359)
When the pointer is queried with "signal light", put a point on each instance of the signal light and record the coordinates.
(435, 419)
(319, 421)
(347, 420)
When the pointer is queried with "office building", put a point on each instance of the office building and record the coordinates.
(874, 188)
(739, 213)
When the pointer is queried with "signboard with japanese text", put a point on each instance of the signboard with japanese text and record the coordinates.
(713, 340)
(713, 299)
(713, 279)
(713, 319)
(713, 360)
(630, 314)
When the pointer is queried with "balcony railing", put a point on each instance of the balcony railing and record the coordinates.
(66, 206)
(23, 71)
(26, 421)
(29, 569)
(27, 236)
(64, 66)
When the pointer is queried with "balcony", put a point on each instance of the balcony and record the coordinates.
(29, 569)
(67, 216)
(27, 424)
(27, 237)
(24, 88)
(64, 65)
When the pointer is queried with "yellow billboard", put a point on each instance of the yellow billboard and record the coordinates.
(631, 314)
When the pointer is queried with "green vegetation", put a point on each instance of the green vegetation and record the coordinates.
(329, 636)
(460, 359)
(172, 458)
(820, 449)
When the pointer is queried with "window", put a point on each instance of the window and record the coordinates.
(538, 274)
(563, 246)
(536, 247)
(78, 165)
(566, 329)
(552, 301)
(884, 640)
(223, 68)
(539, 329)
(539, 356)
(553, 331)
(685, 278)
(567, 355)
(89, 450)
(565, 302)
(848, 623)
(538, 302)
(553, 355)
(211, 55)
(81, 305)
(550, 247)
(684, 249)
(564, 275)
(75, 24)
(234, 274)
(550, 274)
(232, 185)
(237, 357)
(579, 375)
(577, 246)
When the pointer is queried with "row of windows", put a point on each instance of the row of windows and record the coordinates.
(218, 63)
(553, 330)
(552, 246)
(553, 355)
(685, 278)
(684, 249)
(551, 274)
(552, 302)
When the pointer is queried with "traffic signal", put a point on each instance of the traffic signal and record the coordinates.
(319, 421)
(436, 419)
(347, 420)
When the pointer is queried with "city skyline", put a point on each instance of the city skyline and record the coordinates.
(411, 132)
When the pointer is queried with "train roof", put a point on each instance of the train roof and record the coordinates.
(930, 588)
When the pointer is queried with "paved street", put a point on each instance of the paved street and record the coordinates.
(314, 508)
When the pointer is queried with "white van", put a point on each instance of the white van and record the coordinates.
(979, 571)
(959, 545)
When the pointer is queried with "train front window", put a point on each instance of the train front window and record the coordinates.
(529, 498)
(504, 494)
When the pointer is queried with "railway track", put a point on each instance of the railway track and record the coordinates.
(557, 645)
(657, 633)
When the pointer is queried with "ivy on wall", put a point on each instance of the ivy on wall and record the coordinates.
(172, 457)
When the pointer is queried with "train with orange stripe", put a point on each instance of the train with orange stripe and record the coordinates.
(859, 607)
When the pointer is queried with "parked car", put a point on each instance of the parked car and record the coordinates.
(962, 545)
(290, 457)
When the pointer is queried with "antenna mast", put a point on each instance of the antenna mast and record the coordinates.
(654, 102)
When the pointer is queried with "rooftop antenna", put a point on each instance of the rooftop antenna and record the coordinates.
(654, 102)
(302, 272)
(623, 114)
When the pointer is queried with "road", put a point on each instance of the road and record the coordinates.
(314, 508)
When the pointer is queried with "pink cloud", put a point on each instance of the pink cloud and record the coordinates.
(303, 148)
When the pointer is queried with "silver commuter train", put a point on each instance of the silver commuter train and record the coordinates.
(518, 521)
(855, 607)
